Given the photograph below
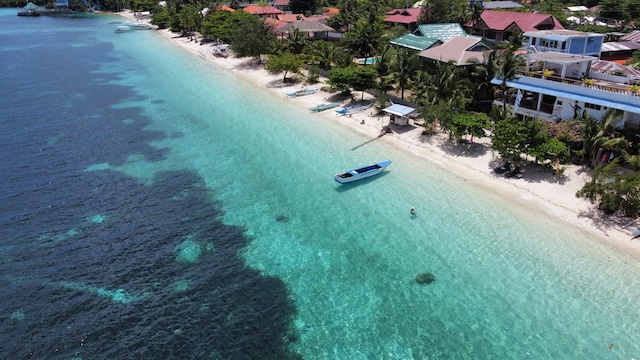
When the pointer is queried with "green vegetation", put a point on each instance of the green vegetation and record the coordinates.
(287, 63)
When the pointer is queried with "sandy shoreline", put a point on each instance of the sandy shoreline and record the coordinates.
(538, 191)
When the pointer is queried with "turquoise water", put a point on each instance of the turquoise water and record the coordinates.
(511, 284)
(368, 61)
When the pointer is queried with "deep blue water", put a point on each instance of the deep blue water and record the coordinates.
(89, 266)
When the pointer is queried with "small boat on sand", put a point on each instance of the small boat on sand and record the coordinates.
(635, 234)
(302, 92)
(353, 109)
(362, 172)
(323, 107)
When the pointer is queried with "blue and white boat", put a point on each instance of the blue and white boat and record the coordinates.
(362, 172)
(352, 109)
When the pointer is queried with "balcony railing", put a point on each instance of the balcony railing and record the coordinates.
(601, 85)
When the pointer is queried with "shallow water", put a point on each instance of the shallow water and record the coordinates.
(155, 206)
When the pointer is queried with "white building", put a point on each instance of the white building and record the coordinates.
(557, 84)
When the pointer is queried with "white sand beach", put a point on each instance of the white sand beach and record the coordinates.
(538, 191)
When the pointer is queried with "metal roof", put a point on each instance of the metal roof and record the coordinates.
(632, 36)
(461, 50)
(400, 110)
(428, 35)
(620, 46)
(577, 8)
(610, 67)
(500, 5)
(442, 32)
(620, 105)
(415, 42)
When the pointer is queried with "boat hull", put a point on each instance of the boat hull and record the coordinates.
(323, 107)
(361, 173)
(302, 93)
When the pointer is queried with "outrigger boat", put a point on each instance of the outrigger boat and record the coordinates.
(323, 107)
(302, 92)
(362, 173)
(353, 109)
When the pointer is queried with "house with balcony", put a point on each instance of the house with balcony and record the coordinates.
(558, 85)
(563, 41)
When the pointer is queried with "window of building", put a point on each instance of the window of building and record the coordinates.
(559, 102)
(592, 106)
(564, 45)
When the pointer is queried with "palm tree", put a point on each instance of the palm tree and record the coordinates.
(325, 52)
(483, 73)
(403, 68)
(188, 19)
(296, 41)
(383, 64)
(444, 82)
(604, 139)
(508, 67)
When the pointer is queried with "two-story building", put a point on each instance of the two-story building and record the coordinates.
(556, 84)
(563, 41)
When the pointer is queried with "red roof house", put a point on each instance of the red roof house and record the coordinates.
(404, 17)
(289, 18)
(263, 11)
(501, 25)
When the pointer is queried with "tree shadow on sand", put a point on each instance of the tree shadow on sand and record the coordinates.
(282, 83)
(250, 64)
(464, 148)
(604, 222)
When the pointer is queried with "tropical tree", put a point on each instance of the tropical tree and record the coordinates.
(340, 79)
(406, 62)
(612, 191)
(442, 85)
(483, 73)
(508, 66)
(605, 139)
(252, 37)
(187, 18)
(364, 77)
(383, 64)
(357, 78)
(303, 6)
(220, 24)
(296, 41)
(363, 39)
(467, 123)
(509, 139)
(287, 63)
(344, 20)
(444, 11)
(324, 52)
